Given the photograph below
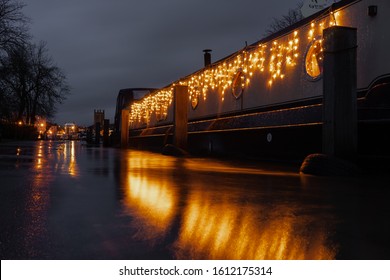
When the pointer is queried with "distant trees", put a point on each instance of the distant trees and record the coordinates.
(294, 15)
(31, 84)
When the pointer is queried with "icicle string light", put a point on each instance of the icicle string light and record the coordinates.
(271, 61)
(157, 103)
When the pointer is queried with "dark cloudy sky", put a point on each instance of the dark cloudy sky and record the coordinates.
(103, 46)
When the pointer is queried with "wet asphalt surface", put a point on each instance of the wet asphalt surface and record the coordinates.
(64, 200)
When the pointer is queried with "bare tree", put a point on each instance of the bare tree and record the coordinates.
(32, 82)
(49, 86)
(14, 81)
(293, 16)
(13, 33)
(13, 24)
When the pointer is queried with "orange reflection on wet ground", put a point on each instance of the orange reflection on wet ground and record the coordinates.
(65, 200)
(37, 201)
(216, 166)
(149, 196)
(209, 215)
(66, 158)
(153, 201)
(214, 226)
(142, 160)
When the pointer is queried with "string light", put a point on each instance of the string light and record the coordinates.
(270, 61)
(157, 103)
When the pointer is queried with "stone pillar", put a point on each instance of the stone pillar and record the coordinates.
(125, 128)
(180, 135)
(340, 99)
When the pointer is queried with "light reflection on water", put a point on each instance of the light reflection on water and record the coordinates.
(234, 232)
(38, 191)
(38, 200)
(213, 216)
(154, 204)
(67, 158)
(75, 202)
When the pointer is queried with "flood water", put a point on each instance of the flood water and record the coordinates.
(63, 200)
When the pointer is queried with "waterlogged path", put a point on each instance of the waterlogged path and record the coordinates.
(63, 200)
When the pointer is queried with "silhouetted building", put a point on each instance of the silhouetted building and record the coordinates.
(98, 117)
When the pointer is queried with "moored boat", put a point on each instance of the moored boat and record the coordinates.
(266, 99)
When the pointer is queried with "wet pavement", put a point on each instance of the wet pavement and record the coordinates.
(64, 200)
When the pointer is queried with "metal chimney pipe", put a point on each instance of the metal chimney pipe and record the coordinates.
(207, 57)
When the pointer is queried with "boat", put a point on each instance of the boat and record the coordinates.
(267, 98)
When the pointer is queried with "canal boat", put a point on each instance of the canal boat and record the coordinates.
(266, 99)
